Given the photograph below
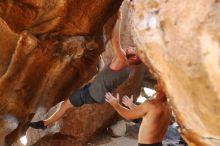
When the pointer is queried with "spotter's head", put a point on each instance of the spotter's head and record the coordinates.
(159, 89)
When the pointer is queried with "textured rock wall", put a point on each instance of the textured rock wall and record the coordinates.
(179, 40)
(48, 49)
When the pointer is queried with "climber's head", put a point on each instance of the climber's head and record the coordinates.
(132, 56)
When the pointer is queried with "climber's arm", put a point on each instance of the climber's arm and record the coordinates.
(119, 59)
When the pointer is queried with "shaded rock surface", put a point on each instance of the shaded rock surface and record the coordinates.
(119, 128)
(52, 48)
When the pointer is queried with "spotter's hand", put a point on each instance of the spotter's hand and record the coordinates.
(111, 99)
(127, 101)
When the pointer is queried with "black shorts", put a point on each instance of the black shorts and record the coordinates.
(81, 96)
(153, 144)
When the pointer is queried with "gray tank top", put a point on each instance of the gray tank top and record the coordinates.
(107, 81)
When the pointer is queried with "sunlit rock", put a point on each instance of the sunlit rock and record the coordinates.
(179, 41)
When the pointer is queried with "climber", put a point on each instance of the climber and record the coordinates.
(114, 74)
(155, 113)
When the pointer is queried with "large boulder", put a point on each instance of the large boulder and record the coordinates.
(179, 41)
